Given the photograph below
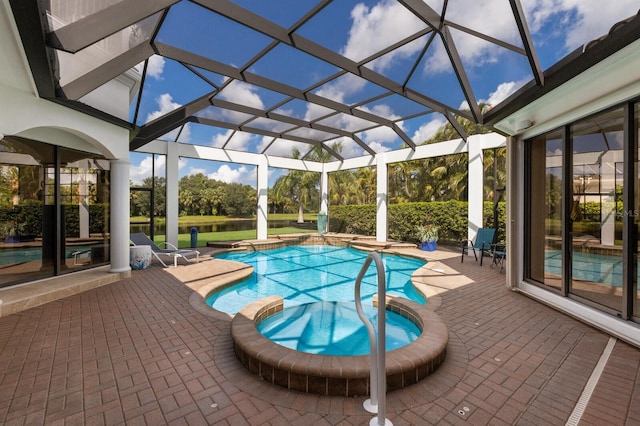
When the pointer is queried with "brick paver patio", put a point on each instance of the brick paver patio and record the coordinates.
(137, 352)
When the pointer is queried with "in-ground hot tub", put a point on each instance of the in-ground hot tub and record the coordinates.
(337, 375)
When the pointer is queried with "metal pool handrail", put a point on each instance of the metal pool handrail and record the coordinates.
(378, 378)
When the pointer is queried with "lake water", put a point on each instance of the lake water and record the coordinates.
(224, 226)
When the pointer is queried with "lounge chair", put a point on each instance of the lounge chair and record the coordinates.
(141, 239)
(482, 244)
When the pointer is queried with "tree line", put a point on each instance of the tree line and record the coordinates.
(431, 179)
(197, 196)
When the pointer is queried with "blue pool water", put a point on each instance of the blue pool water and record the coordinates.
(334, 328)
(596, 268)
(30, 254)
(304, 274)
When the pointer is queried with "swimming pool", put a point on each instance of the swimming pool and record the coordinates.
(313, 273)
(591, 267)
(31, 254)
(334, 328)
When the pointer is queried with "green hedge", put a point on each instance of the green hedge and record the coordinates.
(449, 216)
(29, 218)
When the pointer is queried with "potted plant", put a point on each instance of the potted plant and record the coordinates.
(11, 231)
(428, 236)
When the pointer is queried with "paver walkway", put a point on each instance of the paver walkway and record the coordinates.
(137, 352)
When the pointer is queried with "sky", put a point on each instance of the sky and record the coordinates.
(358, 29)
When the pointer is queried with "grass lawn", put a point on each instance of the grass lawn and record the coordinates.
(184, 240)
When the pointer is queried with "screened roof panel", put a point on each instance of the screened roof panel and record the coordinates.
(297, 108)
(435, 76)
(206, 135)
(399, 64)
(425, 126)
(212, 78)
(224, 114)
(250, 95)
(170, 86)
(270, 125)
(284, 148)
(311, 134)
(349, 89)
(285, 14)
(490, 65)
(347, 122)
(72, 66)
(348, 148)
(65, 12)
(292, 67)
(324, 69)
(200, 31)
(393, 107)
(381, 139)
(358, 42)
(246, 142)
(482, 18)
(179, 134)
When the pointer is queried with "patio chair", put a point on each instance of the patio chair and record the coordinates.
(141, 239)
(499, 254)
(482, 244)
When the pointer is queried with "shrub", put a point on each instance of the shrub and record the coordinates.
(450, 217)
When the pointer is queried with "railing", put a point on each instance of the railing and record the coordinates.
(378, 376)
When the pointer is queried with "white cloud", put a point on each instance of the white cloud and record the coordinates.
(165, 105)
(427, 130)
(155, 67)
(378, 147)
(196, 170)
(240, 141)
(243, 94)
(579, 21)
(382, 134)
(219, 139)
(377, 27)
(139, 172)
(503, 91)
(229, 175)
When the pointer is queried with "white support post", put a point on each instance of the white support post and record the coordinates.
(263, 200)
(324, 191)
(119, 210)
(475, 189)
(608, 201)
(381, 201)
(83, 208)
(171, 218)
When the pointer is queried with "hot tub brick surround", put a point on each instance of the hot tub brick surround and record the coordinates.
(337, 375)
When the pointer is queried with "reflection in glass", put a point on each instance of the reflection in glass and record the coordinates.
(545, 227)
(596, 266)
(633, 216)
(39, 236)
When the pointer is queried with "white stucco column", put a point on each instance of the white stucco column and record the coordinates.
(263, 199)
(171, 218)
(119, 226)
(381, 199)
(475, 189)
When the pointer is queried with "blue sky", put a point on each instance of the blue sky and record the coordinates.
(357, 29)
